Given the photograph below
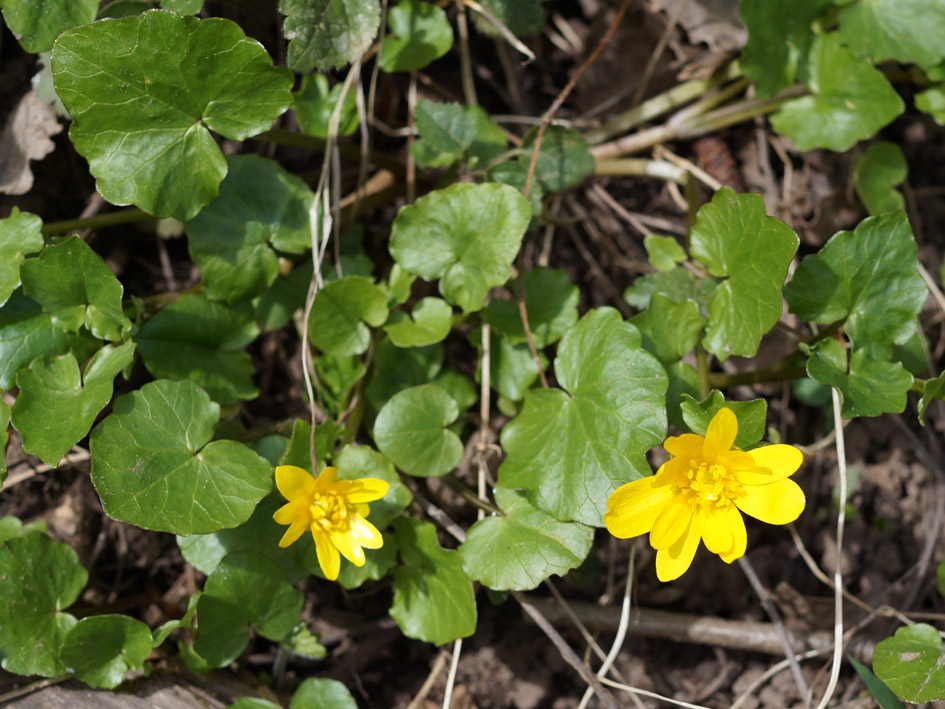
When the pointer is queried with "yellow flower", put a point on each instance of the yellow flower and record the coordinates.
(334, 511)
(697, 494)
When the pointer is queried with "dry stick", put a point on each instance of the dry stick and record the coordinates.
(566, 652)
(658, 52)
(411, 160)
(653, 695)
(579, 624)
(506, 33)
(771, 672)
(787, 642)
(428, 683)
(837, 574)
(621, 627)
(451, 677)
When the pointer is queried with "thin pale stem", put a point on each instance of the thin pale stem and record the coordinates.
(98, 221)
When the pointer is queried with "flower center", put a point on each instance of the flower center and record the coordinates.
(329, 510)
(711, 485)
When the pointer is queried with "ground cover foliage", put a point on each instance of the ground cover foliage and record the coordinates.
(488, 255)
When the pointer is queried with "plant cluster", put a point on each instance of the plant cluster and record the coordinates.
(560, 408)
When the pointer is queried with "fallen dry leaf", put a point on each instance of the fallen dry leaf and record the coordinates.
(25, 137)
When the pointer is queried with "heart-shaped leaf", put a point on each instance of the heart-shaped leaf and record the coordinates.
(36, 25)
(551, 302)
(99, 649)
(327, 34)
(53, 390)
(322, 693)
(48, 577)
(521, 549)
(419, 33)
(737, 241)
(751, 415)
(669, 330)
(433, 597)
(570, 449)
(411, 431)
(145, 92)
(428, 323)
(878, 173)
(74, 285)
(261, 209)
(908, 31)
(912, 663)
(20, 234)
(341, 313)
(154, 466)
(202, 340)
(869, 277)
(466, 235)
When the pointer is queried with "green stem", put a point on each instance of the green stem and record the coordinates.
(121, 216)
(471, 496)
(663, 103)
(736, 113)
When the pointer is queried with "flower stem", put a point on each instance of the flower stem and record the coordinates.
(120, 216)
(702, 368)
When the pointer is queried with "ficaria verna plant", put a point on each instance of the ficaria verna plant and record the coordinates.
(324, 245)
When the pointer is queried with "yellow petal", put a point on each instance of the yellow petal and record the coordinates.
(349, 548)
(733, 461)
(295, 483)
(687, 446)
(776, 503)
(367, 490)
(672, 563)
(720, 436)
(328, 557)
(296, 529)
(716, 529)
(364, 533)
(780, 459)
(739, 536)
(632, 508)
(671, 523)
(325, 479)
(291, 511)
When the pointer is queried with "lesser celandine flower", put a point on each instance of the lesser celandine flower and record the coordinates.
(335, 512)
(700, 493)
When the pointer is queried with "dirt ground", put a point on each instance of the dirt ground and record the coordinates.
(892, 540)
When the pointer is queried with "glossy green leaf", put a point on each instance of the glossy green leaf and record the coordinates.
(512, 368)
(398, 368)
(445, 126)
(521, 549)
(314, 103)
(124, 8)
(163, 631)
(202, 340)
(246, 589)
(932, 101)
(57, 406)
(338, 376)
(551, 302)
(257, 534)
(867, 387)
(342, 311)
(322, 693)
(20, 234)
(851, 100)
(678, 284)
(669, 330)
(354, 462)
(419, 33)
(153, 464)
(490, 140)
(99, 649)
(779, 36)
(261, 209)
(683, 382)
(515, 175)
(877, 688)
(868, 277)
(48, 578)
(433, 597)
(253, 703)
(26, 332)
(302, 641)
(751, 251)
(878, 172)
(145, 92)
(663, 252)
(908, 31)
(458, 386)
(411, 431)
(751, 415)
(299, 450)
(429, 322)
(327, 34)
(564, 158)
(570, 449)
(466, 235)
(11, 527)
(377, 564)
(523, 17)
(399, 284)
(4, 438)
(933, 389)
(183, 7)
(36, 25)
(74, 285)
(912, 663)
